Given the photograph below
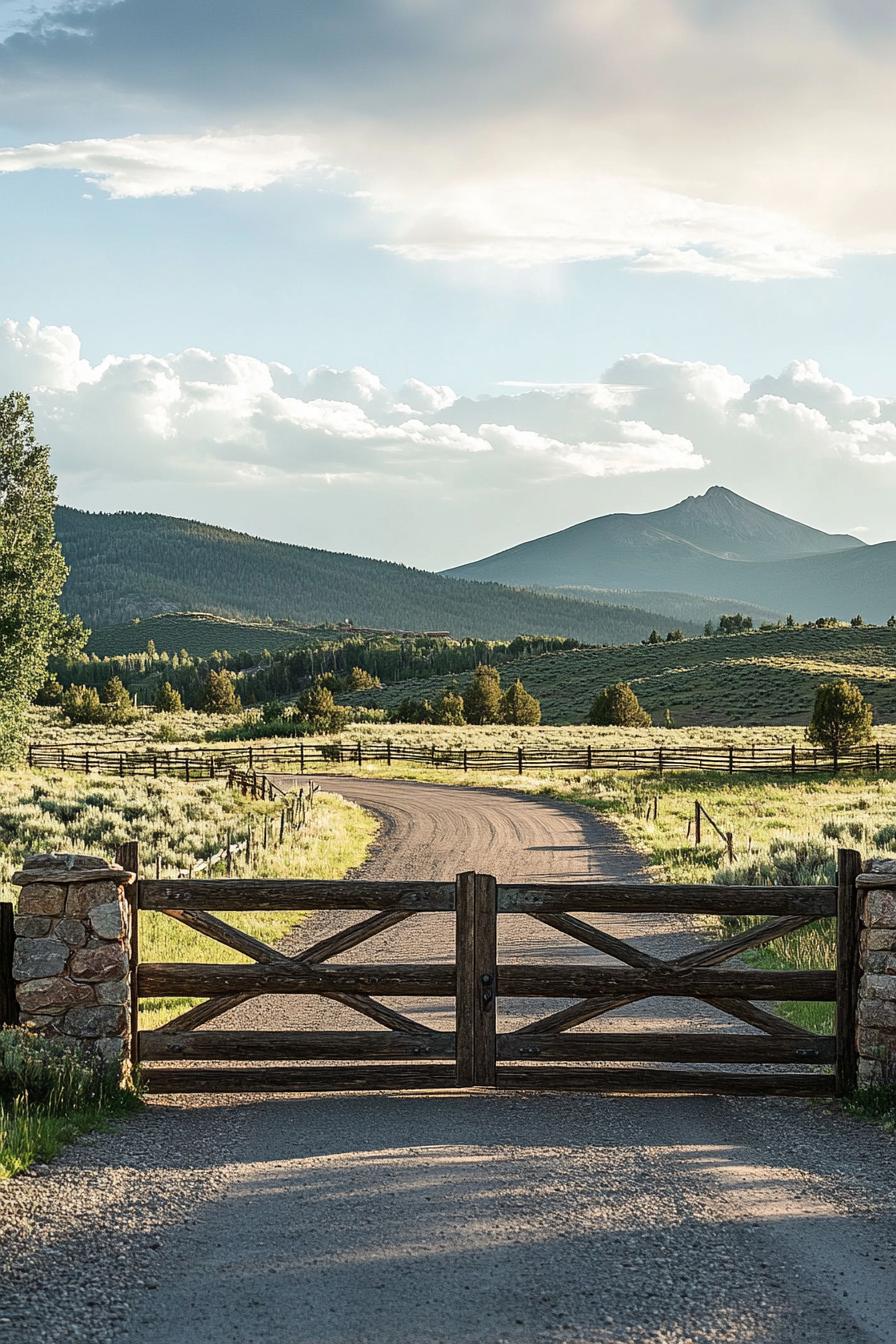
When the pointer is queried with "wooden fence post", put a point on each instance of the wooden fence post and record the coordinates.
(589, 756)
(476, 989)
(360, 757)
(793, 759)
(729, 845)
(389, 751)
(846, 1072)
(9, 1008)
(229, 854)
(519, 760)
(697, 811)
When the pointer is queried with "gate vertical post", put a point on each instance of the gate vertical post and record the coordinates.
(128, 855)
(477, 976)
(849, 866)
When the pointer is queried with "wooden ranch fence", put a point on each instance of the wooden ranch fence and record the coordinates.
(178, 1057)
(303, 756)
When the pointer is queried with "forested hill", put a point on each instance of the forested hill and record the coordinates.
(138, 564)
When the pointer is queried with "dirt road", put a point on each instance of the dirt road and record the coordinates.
(448, 1218)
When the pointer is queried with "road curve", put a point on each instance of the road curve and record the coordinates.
(499, 1218)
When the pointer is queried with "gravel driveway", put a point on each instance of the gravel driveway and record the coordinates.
(448, 1218)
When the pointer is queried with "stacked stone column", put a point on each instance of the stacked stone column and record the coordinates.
(71, 960)
(877, 987)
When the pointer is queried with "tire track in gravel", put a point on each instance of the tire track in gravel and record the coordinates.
(448, 1218)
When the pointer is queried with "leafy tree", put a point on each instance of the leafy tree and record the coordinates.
(32, 572)
(449, 709)
(674, 636)
(359, 679)
(413, 711)
(219, 695)
(735, 625)
(857, 621)
(82, 704)
(116, 702)
(891, 622)
(168, 700)
(272, 711)
(841, 719)
(50, 693)
(482, 698)
(654, 638)
(518, 706)
(667, 718)
(707, 629)
(320, 710)
(617, 706)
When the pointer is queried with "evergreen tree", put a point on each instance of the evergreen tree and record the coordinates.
(168, 700)
(449, 709)
(482, 698)
(219, 695)
(32, 572)
(841, 718)
(518, 706)
(50, 693)
(617, 706)
(82, 704)
(117, 705)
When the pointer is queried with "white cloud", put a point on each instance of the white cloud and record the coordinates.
(743, 141)
(194, 423)
(137, 166)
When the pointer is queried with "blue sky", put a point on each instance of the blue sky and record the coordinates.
(422, 279)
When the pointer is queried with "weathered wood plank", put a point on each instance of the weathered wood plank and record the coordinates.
(248, 1045)
(570, 982)
(604, 942)
(352, 936)
(338, 1078)
(544, 1078)
(476, 979)
(849, 867)
(197, 979)
(266, 894)
(670, 1047)
(663, 898)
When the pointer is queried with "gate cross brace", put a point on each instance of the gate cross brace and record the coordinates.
(587, 1009)
(322, 950)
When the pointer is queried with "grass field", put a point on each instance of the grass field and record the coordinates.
(759, 678)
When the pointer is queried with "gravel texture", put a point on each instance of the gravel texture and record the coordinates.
(448, 1218)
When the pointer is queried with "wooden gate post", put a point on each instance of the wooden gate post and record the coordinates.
(128, 855)
(477, 977)
(849, 866)
(9, 1008)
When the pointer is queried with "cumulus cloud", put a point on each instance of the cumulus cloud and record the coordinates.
(195, 422)
(738, 141)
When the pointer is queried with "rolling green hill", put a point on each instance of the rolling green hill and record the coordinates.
(140, 564)
(766, 677)
(716, 543)
(675, 607)
(202, 634)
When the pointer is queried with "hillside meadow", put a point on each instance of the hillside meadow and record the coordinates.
(758, 679)
(202, 634)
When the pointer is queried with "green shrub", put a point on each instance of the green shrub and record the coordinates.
(51, 1073)
(82, 704)
(841, 717)
(885, 837)
(617, 706)
(787, 862)
(168, 700)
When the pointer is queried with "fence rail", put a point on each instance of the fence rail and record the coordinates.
(303, 757)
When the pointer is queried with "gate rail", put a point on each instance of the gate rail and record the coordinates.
(476, 1054)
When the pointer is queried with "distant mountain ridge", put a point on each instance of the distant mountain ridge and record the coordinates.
(139, 564)
(711, 545)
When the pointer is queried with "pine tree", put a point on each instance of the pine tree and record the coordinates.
(32, 572)
(482, 698)
(117, 705)
(617, 706)
(219, 695)
(518, 706)
(168, 700)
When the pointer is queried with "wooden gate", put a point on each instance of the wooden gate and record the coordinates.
(542, 1054)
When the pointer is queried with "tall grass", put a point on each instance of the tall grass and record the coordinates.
(50, 1093)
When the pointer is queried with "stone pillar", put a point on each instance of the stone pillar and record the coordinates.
(877, 987)
(71, 960)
